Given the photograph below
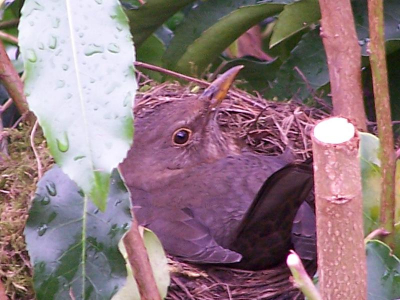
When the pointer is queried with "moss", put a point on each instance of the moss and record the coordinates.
(17, 185)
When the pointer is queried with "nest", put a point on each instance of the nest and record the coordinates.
(267, 127)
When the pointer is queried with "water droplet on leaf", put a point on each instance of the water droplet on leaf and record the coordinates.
(52, 42)
(45, 200)
(93, 49)
(63, 143)
(51, 188)
(31, 55)
(113, 48)
(42, 229)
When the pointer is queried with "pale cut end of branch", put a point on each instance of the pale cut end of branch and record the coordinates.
(334, 131)
(301, 278)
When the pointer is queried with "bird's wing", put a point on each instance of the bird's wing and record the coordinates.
(267, 225)
(304, 231)
(184, 237)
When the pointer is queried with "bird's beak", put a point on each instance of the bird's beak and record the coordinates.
(217, 91)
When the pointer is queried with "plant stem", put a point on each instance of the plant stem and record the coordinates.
(383, 116)
(140, 263)
(338, 198)
(344, 60)
(12, 82)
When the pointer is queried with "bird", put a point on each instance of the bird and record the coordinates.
(210, 199)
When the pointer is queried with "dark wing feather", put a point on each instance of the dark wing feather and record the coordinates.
(264, 236)
(184, 237)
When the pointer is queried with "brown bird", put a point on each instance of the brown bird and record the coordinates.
(209, 199)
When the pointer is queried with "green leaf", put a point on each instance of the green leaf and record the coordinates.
(294, 18)
(383, 272)
(305, 69)
(72, 244)
(210, 28)
(80, 84)
(371, 180)
(159, 265)
(391, 18)
(152, 51)
(146, 18)
(258, 74)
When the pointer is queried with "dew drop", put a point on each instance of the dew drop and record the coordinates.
(96, 211)
(45, 200)
(81, 193)
(65, 67)
(52, 42)
(92, 49)
(63, 143)
(118, 202)
(113, 48)
(42, 229)
(60, 84)
(51, 189)
(127, 100)
(41, 46)
(31, 55)
(99, 1)
(69, 95)
(55, 23)
(79, 157)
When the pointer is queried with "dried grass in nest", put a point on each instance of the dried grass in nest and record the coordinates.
(267, 127)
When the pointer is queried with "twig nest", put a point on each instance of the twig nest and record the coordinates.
(266, 127)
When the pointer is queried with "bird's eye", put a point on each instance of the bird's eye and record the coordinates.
(181, 136)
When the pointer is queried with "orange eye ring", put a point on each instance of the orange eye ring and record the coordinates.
(181, 136)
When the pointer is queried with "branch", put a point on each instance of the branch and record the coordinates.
(301, 279)
(344, 60)
(12, 82)
(140, 263)
(338, 198)
(383, 116)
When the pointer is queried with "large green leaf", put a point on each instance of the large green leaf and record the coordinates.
(383, 272)
(371, 180)
(72, 244)
(159, 265)
(294, 18)
(80, 84)
(258, 74)
(146, 18)
(303, 72)
(211, 27)
(391, 18)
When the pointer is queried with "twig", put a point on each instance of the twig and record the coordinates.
(6, 105)
(3, 295)
(9, 24)
(32, 138)
(301, 279)
(12, 82)
(376, 233)
(192, 79)
(8, 37)
(140, 263)
(383, 116)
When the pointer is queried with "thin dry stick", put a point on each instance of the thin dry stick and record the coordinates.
(12, 82)
(140, 263)
(6, 105)
(192, 79)
(32, 138)
(8, 37)
(383, 116)
(3, 295)
(9, 24)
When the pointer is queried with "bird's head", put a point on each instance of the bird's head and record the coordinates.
(180, 134)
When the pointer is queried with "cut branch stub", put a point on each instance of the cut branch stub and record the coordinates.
(341, 253)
